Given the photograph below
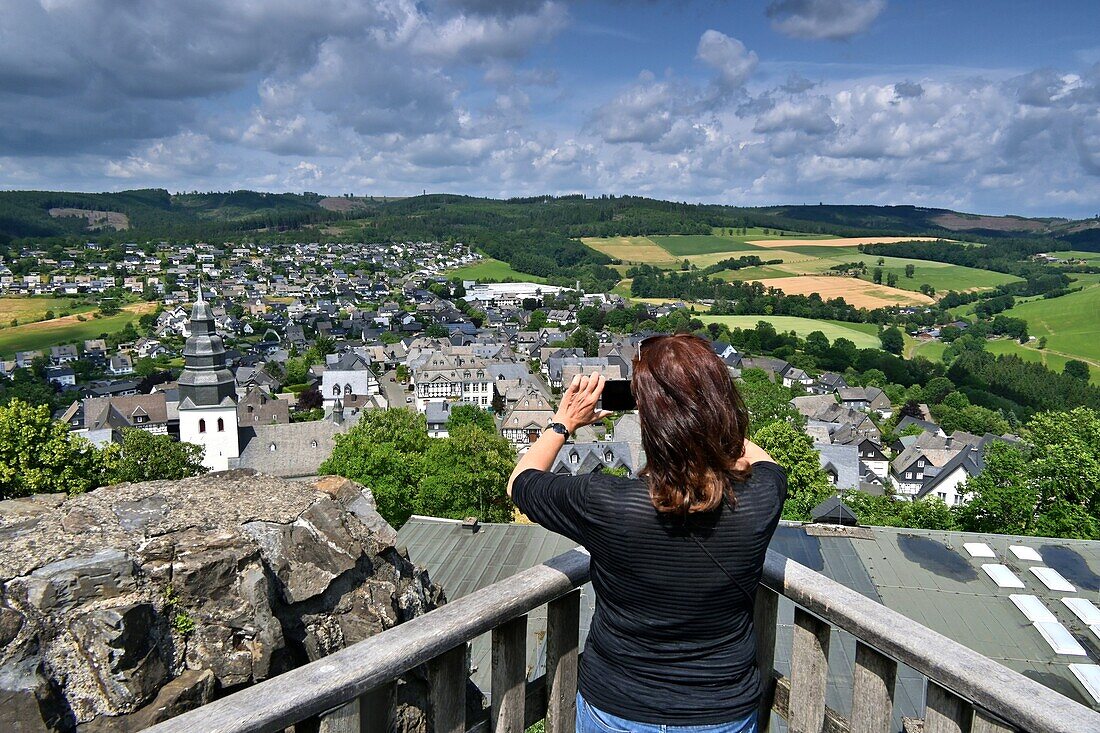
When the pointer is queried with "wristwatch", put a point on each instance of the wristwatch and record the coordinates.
(558, 428)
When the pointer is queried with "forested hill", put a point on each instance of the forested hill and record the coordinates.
(537, 235)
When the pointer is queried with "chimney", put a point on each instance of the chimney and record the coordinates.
(471, 524)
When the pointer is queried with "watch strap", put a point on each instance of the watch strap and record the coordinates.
(558, 428)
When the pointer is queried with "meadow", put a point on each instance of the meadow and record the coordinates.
(27, 309)
(1070, 324)
(632, 250)
(804, 326)
(43, 334)
(494, 271)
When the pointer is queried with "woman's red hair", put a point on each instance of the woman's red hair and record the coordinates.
(693, 424)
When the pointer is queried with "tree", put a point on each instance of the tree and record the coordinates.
(892, 279)
(1077, 369)
(40, 456)
(584, 338)
(1000, 498)
(436, 331)
(537, 320)
(807, 484)
(471, 415)
(937, 389)
(892, 340)
(881, 261)
(909, 270)
(465, 474)
(144, 456)
(384, 451)
(766, 400)
(876, 275)
(310, 398)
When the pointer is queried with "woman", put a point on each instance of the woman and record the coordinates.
(676, 554)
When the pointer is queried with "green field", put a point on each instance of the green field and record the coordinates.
(803, 326)
(43, 334)
(930, 350)
(1071, 323)
(683, 245)
(28, 309)
(493, 271)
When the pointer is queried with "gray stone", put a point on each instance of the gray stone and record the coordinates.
(63, 584)
(137, 515)
(126, 605)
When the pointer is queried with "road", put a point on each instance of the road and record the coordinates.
(395, 392)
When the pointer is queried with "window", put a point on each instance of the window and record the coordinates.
(271, 447)
(313, 444)
(249, 409)
(202, 425)
(221, 425)
(336, 390)
(608, 456)
(909, 474)
(347, 389)
(574, 458)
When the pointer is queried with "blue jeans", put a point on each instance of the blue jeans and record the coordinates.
(594, 720)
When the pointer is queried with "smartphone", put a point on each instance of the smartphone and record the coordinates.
(617, 397)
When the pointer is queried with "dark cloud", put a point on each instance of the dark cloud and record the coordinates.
(831, 19)
(908, 90)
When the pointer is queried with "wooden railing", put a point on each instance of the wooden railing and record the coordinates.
(352, 690)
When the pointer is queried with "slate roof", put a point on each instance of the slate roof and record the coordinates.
(844, 462)
(300, 448)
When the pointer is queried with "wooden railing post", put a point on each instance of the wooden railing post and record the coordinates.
(944, 711)
(509, 676)
(987, 723)
(872, 691)
(447, 675)
(809, 672)
(344, 719)
(563, 621)
(374, 708)
(765, 620)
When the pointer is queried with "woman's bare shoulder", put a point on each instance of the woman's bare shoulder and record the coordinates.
(756, 454)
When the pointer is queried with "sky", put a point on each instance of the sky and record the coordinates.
(988, 106)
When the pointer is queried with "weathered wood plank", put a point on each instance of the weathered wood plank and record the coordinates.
(509, 677)
(765, 620)
(447, 676)
(375, 708)
(1027, 704)
(282, 701)
(563, 619)
(344, 719)
(809, 672)
(834, 721)
(944, 711)
(872, 691)
(983, 722)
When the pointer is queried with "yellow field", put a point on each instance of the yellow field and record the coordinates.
(859, 293)
(845, 242)
(32, 309)
(631, 250)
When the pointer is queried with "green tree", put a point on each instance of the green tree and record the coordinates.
(1077, 369)
(436, 331)
(807, 484)
(892, 340)
(766, 400)
(909, 270)
(465, 474)
(936, 389)
(584, 338)
(39, 456)
(471, 415)
(1000, 499)
(384, 451)
(143, 456)
(876, 275)
(892, 279)
(1065, 468)
(537, 320)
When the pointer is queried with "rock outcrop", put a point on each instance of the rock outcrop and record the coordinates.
(124, 606)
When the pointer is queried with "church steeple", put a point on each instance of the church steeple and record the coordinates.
(205, 381)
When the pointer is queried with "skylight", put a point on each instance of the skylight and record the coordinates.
(1002, 576)
(1084, 610)
(1053, 579)
(978, 549)
(1089, 676)
(1023, 552)
(1059, 638)
(1032, 607)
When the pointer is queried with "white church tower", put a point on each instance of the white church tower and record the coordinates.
(207, 392)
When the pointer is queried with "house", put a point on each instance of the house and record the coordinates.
(872, 456)
(62, 376)
(524, 423)
(828, 383)
(348, 374)
(945, 482)
(259, 407)
(120, 364)
(908, 470)
(865, 399)
(578, 458)
(438, 414)
(833, 511)
(106, 417)
(63, 354)
(793, 376)
(840, 463)
(24, 359)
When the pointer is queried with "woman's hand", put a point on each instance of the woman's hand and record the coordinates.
(578, 404)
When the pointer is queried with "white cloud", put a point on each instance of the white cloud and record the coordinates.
(728, 56)
(830, 19)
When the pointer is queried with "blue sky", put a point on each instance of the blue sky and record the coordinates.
(991, 107)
